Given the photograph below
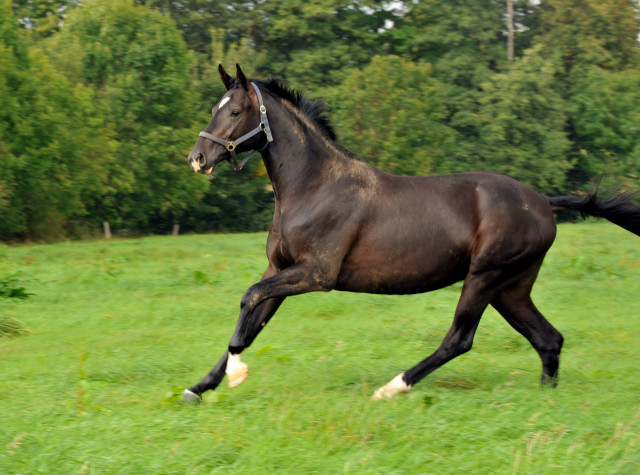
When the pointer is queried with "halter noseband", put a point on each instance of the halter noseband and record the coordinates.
(231, 145)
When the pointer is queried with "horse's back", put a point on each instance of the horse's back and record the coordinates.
(478, 202)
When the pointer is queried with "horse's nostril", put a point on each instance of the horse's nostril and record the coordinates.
(201, 160)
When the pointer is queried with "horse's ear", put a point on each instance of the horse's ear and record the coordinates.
(242, 78)
(226, 79)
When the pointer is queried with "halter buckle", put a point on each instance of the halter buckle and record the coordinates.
(231, 146)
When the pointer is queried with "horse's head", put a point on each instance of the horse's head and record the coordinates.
(235, 126)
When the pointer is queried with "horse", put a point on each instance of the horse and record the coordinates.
(342, 224)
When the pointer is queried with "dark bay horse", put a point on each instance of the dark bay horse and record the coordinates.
(341, 224)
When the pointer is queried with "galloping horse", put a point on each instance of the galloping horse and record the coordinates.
(341, 224)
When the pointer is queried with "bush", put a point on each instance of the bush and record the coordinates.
(10, 288)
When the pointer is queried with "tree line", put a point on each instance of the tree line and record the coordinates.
(100, 101)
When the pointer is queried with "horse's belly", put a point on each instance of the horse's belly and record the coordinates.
(402, 275)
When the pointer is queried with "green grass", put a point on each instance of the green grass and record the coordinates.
(116, 327)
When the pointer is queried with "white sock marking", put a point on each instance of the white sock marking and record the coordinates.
(393, 387)
(236, 370)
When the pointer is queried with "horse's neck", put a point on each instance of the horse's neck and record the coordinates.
(298, 154)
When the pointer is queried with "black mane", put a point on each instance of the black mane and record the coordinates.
(314, 109)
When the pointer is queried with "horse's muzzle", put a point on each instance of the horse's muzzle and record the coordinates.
(198, 163)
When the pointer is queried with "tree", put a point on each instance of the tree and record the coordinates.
(606, 120)
(139, 65)
(463, 40)
(390, 115)
(52, 167)
(236, 201)
(603, 33)
(597, 43)
(202, 21)
(114, 98)
(521, 123)
(312, 42)
(42, 17)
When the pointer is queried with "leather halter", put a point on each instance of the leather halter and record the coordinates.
(231, 145)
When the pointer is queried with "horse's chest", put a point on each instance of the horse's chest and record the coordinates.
(309, 236)
(283, 255)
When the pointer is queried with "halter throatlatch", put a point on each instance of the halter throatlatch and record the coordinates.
(231, 145)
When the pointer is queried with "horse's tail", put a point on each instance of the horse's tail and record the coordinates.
(622, 209)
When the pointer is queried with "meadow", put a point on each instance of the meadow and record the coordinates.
(117, 329)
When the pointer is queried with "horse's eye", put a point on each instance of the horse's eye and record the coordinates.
(235, 112)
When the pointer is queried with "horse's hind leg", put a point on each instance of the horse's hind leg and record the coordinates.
(517, 308)
(476, 294)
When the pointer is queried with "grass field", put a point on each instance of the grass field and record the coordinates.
(117, 327)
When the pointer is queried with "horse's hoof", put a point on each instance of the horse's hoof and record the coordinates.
(237, 371)
(393, 387)
(549, 381)
(190, 397)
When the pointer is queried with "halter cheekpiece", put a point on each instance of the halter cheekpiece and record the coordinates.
(231, 145)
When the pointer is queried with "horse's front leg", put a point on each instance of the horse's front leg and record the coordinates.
(291, 281)
(262, 315)
(258, 305)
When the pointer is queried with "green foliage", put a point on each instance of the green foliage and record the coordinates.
(520, 125)
(43, 17)
(93, 385)
(139, 65)
(137, 60)
(9, 36)
(11, 288)
(606, 117)
(463, 39)
(314, 42)
(52, 166)
(389, 114)
(236, 201)
(101, 101)
(199, 20)
(590, 33)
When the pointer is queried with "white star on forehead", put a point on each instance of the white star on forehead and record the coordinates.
(224, 101)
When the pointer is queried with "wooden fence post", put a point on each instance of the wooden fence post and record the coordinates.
(107, 229)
